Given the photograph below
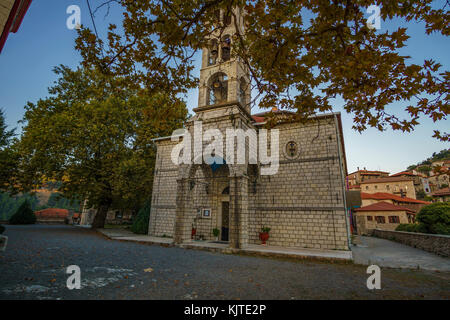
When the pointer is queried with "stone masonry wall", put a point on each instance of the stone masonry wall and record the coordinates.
(438, 244)
(303, 203)
(162, 215)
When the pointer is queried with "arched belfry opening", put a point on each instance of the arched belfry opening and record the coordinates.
(213, 53)
(226, 48)
(217, 89)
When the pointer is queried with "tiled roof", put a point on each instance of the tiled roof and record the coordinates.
(403, 173)
(383, 206)
(442, 192)
(390, 196)
(386, 179)
(52, 213)
(370, 172)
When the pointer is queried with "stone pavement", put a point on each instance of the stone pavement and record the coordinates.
(34, 267)
(270, 251)
(385, 253)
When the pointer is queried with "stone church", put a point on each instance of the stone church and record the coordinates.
(303, 204)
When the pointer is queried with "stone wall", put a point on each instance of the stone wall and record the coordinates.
(438, 244)
(303, 203)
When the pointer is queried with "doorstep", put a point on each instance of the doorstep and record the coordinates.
(214, 246)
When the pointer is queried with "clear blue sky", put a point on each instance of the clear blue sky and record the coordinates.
(43, 41)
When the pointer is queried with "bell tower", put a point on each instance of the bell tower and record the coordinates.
(224, 79)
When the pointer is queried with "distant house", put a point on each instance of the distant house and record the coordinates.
(12, 13)
(51, 215)
(401, 186)
(420, 181)
(383, 216)
(354, 179)
(442, 195)
(412, 204)
(113, 216)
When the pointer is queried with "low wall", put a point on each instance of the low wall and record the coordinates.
(438, 244)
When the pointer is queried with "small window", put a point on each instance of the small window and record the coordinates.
(380, 219)
(376, 187)
(387, 187)
(206, 213)
(394, 219)
(367, 187)
(369, 218)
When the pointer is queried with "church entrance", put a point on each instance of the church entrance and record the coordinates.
(225, 221)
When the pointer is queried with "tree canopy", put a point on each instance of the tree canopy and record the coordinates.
(93, 134)
(301, 54)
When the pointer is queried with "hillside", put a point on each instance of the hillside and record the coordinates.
(42, 199)
(442, 155)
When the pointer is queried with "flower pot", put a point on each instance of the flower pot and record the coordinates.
(3, 243)
(263, 236)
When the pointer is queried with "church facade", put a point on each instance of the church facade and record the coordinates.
(302, 202)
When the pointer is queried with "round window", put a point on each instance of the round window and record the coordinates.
(291, 149)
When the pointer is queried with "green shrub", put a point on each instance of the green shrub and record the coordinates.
(2, 229)
(435, 218)
(411, 228)
(140, 223)
(23, 215)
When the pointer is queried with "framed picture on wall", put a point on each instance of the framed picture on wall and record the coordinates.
(207, 213)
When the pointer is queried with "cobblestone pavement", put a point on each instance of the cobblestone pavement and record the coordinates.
(35, 261)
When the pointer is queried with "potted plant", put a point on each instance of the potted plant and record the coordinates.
(3, 239)
(216, 233)
(264, 235)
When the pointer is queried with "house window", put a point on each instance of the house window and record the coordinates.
(394, 219)
(369, 218)
(380, 219)
(387, 187)
(376, 187)
(367, 187)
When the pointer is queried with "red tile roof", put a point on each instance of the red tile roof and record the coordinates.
(442, 192)
(384, 206)
(52, 213)
(386, 179)
(403, 173)
(390, 196)
(370, 172)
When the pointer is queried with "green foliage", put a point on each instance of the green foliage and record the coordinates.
(419, 228)
(2, 229)
(94, 134)
(216, 232)
(10, 204)
(301, 54)
(8, 156)
(441, 155)
(23, 215)
(265, 229)
(140, 223)
(435, 218)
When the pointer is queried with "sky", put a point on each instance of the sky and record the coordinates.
(44, 41)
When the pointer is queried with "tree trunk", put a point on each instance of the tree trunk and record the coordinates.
(100, 216)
